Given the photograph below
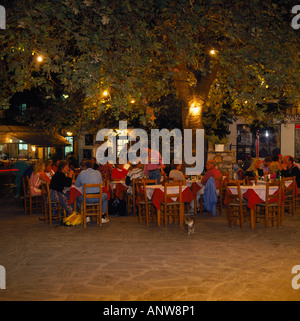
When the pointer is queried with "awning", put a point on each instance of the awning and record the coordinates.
(32, 136)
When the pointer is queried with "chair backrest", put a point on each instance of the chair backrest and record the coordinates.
(96, 194)
(134, 182)
(28, 185)
(234, 196)
(289, 185)
(140, 188)
(25, 186)
(171, 193)
(273, 197)
(168, 180)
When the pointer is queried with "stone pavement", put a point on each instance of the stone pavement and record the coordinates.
(126, 261)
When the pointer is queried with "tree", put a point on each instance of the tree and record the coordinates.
(205, 52)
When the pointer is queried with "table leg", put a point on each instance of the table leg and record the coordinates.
(252, 218)
(158, 217)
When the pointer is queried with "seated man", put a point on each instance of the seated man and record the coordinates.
(91, 176)
(212, 171)
(290, 169)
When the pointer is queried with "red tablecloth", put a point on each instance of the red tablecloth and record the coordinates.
(158, 197)
(75, 192)
(194, 189)
(120, 188)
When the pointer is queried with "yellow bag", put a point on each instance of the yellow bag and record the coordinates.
(73, 219)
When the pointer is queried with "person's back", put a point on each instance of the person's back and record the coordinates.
(89, 176)
(177, 175)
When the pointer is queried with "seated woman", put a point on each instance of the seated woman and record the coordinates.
(37, 178)
(48, 168)
(61, 179)
(255, 169)
(176, 172)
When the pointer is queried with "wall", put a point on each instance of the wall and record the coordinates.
(224, 161)
(288, 139)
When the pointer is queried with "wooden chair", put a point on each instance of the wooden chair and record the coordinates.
(220, 193)
(237, 210)
(52, 209)
(271, 208)
(289, 192)
(146, 210)
(31, 202)
(223, 183)
(168, 180)
(26, 194)
(91, 209)
(172, 209)
(131, 199)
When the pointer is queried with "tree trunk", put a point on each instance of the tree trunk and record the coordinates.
(193, 98)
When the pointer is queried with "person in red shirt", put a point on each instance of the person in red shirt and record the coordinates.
(119, 173)
(212, 171)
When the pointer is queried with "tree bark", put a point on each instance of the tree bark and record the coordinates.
(194, 96)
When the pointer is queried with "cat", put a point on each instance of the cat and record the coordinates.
(189, 224)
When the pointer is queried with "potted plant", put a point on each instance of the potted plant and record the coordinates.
(218, 142)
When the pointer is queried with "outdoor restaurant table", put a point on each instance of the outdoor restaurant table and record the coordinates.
(118, 187)
(195, 187)
(156, 194)
(254, 194)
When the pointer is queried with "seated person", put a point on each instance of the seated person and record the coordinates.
(48, 168)
(273, 170)
(61, 179)
(136, 171)
(290, 169)
(176, 172)
(105, 170)
(91, 176)
(119, 173)
(212, 171)
(255, 169)
(266, 164)
(37, 178)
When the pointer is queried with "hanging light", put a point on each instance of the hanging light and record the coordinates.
(39, 58)
(195, 108)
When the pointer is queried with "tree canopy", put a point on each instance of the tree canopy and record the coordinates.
(218, 53)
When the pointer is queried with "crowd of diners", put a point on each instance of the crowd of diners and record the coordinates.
(61, 174)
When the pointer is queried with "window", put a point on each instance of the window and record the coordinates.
(23, 147)
(69, 149)
(267, 144)
(22, 109)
